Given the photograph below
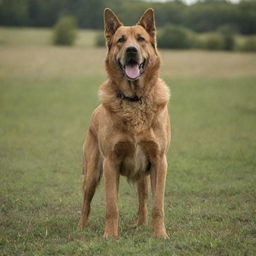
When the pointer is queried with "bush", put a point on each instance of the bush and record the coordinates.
(64, 32)
(175, 37)
(249, 45)
(228, 34)
(197, 42)
(214, 42)
(228, 42)
(100, 40)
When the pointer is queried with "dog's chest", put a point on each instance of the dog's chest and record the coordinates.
(135, 163)
(136, 117)
(137, 155)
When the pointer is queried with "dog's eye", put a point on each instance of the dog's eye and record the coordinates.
(140, 39)
(121, 39)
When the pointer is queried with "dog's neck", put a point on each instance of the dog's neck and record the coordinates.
(130, 99)
(154, 93)
(130, 89)
(134, 91)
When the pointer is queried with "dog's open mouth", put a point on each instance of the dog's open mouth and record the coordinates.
(132, 69)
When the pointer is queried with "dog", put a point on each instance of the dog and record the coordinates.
(129, 132)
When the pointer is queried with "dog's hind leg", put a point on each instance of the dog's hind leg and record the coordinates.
(92, 169)
(142, 188)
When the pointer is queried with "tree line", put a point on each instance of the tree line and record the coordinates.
(203, 16)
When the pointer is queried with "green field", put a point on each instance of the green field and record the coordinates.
(47, 94)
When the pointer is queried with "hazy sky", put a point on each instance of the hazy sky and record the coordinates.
(188, 1)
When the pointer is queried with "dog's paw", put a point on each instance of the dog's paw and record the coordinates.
(161, 234)
(82, 224)
(107, 235)
(139, 223)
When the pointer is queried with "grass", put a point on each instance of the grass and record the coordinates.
(47, 96)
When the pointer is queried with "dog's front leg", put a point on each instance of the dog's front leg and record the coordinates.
(158, 177)
(111, 176)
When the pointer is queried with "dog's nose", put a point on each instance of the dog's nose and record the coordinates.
(131, 49)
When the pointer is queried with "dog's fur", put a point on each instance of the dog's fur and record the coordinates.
(129, 133)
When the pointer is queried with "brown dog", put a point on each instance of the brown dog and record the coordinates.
(129, 132)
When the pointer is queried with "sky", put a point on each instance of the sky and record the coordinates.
(190, 1)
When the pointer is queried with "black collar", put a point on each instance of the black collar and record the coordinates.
(131, 99)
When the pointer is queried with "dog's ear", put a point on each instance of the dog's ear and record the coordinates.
(147, 21)
(111, 23)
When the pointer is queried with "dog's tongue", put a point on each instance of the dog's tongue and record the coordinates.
(132, 71)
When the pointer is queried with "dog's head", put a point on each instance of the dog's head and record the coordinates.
(131, 50)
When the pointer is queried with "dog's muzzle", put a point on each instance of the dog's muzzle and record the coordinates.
(132, 67)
